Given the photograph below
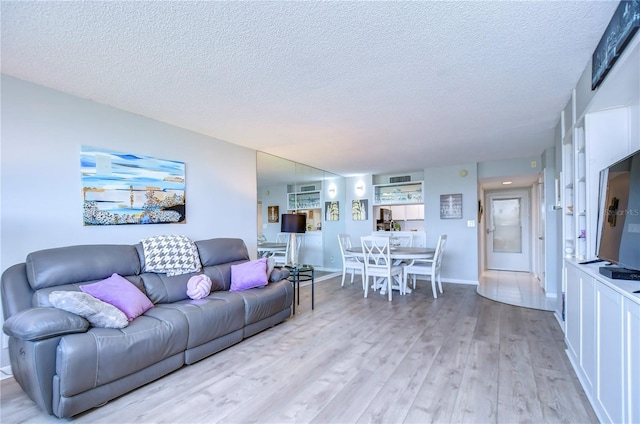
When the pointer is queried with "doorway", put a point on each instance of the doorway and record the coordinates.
(508, 230)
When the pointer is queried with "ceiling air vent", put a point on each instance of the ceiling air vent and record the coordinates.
(308, 188)
(403, 179)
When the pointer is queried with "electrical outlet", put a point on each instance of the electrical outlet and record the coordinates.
(471, 223)
(634, 228)
(331, 259)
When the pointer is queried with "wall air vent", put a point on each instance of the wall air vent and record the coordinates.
(402, 179)
(308, 188)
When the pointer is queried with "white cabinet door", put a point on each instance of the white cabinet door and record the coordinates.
(398, 213)
(414, 212)
(573, 312)
(588, 325)
(610, 379)
(632, 361)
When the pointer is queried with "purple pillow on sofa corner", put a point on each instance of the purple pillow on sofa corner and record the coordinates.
(121, 293)
(249, 274)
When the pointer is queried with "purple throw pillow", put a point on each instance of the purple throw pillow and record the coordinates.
(249, 274)
(121, 293)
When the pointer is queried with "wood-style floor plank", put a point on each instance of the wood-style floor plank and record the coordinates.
(458, 358)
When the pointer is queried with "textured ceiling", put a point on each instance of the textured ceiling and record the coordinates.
(350, 87)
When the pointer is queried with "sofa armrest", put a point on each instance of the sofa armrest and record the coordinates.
(279, 274)
(42, 323)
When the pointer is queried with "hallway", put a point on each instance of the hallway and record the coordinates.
(514, 288)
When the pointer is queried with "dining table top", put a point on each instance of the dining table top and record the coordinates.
(271, 247)
(399, 252)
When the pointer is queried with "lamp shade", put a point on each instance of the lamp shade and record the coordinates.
(293, 223)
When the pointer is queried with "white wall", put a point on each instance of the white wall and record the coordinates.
(41, 197)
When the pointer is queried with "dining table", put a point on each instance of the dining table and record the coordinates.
(399, 254)
(267, 249)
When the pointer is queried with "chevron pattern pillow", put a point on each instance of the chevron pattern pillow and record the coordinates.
(172, 255)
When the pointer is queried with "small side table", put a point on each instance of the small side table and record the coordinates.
(300, 273)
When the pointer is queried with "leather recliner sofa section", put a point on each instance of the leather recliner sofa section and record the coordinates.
(67, 367)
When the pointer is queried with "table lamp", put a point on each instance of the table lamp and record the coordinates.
(293, 224)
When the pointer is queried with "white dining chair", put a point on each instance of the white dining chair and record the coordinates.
(401, 240)
(280, 256)
(378, 264)
(427, 267)
(349, 262)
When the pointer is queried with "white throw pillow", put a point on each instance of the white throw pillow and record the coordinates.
(98, 313)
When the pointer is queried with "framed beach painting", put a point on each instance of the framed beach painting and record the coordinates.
(124, 188)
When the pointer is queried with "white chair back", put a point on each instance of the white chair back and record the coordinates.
(377, 262)
(437, 256)
(349, 262)
(376, 252)
(401, 240)
(345, 243)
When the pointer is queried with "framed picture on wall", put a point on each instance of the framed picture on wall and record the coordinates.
(451, 206)
(332, 211)
(126, 188)
(273, 213)
(359, 209)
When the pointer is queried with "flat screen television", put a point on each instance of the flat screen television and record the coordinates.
(618, 239)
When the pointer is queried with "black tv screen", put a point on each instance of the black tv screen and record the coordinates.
(618, 238)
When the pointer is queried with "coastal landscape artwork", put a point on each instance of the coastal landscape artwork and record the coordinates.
(124, 188)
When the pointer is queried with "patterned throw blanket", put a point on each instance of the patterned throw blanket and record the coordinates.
(173, 255)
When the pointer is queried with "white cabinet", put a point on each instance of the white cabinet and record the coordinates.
(631, 317)
(398, 193)
(303, 200)
(414, 212)
(602, 333)
(398, 213)
(610, 352)
(407, 212)
(573, 320)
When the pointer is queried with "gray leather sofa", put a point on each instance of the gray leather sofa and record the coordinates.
(67, 367)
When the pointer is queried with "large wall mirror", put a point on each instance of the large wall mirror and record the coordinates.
(285, 186)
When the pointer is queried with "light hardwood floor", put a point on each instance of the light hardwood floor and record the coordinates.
(515, 288)
(460, 358)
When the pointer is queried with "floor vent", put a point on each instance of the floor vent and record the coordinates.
(403, 179)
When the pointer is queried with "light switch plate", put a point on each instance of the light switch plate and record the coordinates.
(471, 223)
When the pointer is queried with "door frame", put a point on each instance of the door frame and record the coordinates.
(526, 214)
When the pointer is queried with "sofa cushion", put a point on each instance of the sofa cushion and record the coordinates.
(76, 264)
(222, 251)
(249, 275)
(102, 355)
(97, 312)
(122, 294)
(278, 274)
(263, 302)
(214, 316)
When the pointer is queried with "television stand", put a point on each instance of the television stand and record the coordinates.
(617, 273)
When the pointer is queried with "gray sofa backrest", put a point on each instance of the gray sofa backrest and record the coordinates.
(76, 264)
(28, 284)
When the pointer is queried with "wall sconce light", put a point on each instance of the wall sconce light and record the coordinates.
(332, 191)
(359, 188)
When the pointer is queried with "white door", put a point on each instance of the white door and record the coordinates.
(507, 228)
